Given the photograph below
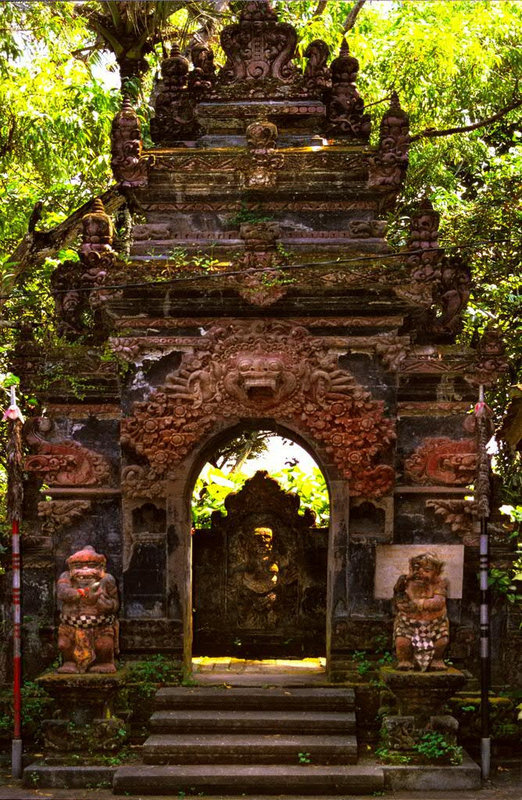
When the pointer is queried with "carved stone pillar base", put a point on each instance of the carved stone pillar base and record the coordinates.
(421, 698)
(422, 694)
(84, 720)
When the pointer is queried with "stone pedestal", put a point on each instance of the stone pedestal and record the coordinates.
(421, 698)
(84, 720)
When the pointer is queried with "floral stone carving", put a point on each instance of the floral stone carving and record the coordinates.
(88, 599)
(421, 629)
(345, 106)
(459, 515)
(63, 463)
(446, 461)
(56, 514)
(248, 369)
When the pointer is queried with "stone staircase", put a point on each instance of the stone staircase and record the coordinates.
(251, 741)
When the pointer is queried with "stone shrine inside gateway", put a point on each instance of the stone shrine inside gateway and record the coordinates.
(256, 290)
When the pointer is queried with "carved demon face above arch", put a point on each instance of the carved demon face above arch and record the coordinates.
(245, 369)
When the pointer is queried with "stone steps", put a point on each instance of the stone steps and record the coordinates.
(201, 721)
(256, 698)
(248, 779)
(253, 749)
(280, 740)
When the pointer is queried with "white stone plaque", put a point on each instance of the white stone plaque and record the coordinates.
(392, 560)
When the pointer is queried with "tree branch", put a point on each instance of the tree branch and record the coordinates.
(352, 16)
(36, 246)
(431, 133)
(321, 5)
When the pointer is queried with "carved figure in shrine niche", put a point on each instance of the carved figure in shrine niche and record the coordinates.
(421, 630)
(88, 600)
(257, 579)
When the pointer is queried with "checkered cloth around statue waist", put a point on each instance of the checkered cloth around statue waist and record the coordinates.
(88, 620)
(423, 633)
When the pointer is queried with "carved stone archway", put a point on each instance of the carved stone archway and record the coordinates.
(268, 375)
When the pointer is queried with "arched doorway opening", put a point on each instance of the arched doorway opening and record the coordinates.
(260, 541)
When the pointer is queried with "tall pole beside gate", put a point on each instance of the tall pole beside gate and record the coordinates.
(482, 492)
(14, 509)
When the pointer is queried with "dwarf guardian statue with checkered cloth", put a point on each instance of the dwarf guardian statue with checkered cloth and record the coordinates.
(88, 600)
(421, 630)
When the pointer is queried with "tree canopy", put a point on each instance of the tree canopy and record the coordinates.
(456, 65)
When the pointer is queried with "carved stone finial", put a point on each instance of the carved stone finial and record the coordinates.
(388, 166)
(345, 107)
(174, 120)
(88, 599)
(317, 74)
(128, 167)
(203, 76)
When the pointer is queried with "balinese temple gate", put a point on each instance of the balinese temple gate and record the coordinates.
(255, 290)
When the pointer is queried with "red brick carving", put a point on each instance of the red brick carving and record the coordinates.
(63, 463)
(256, 368)
(447, 461)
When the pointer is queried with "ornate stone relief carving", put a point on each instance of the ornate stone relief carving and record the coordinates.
(261, 288)
(57, 514)
(490, 360)
(345, 107)
(388, 166)
(262, 162)
(137, 481)
(259, 52)
(250, 369)
(96, 259)
(443, 461)
(128, 165)
(459, 515)
(65, 462)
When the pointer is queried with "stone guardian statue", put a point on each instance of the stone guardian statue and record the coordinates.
(421, 629)
(88, 601)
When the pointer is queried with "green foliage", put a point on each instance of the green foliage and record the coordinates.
(435, 748)
(388, 756)
(304, 758)
(152, 672)
(213, 485)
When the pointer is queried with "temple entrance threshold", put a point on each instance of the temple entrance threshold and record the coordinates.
(259, 570)
(249, 672)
